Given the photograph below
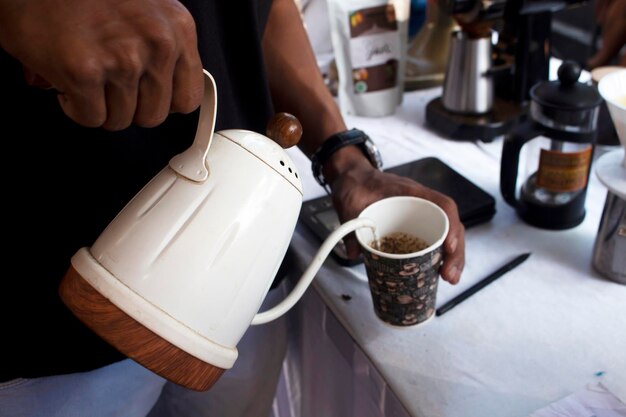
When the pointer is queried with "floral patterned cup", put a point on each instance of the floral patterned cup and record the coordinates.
(404, 286)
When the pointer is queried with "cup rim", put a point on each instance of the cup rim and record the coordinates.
(419, 253)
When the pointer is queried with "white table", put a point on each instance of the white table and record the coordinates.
(542, 331)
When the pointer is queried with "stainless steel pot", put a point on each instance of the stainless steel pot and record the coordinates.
(468, 87)
(609, 251)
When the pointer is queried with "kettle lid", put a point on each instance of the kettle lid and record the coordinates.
(566, 93)
(267, 151)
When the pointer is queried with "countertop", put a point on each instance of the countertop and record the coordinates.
(544, 330)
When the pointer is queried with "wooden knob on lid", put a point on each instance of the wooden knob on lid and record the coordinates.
(284, 129)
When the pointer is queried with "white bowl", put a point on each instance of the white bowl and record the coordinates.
(612, 88)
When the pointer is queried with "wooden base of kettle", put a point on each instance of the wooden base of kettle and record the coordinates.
(133, 339)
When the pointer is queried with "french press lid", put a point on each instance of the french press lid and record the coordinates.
(566, 105)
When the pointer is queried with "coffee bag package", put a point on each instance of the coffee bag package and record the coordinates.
(369, 40)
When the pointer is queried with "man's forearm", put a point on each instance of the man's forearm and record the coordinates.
(296, 83)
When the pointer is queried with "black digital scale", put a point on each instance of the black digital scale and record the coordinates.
(475, 205)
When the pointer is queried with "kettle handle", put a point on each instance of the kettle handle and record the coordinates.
(511, 148)
(308, 275)
(191, 163)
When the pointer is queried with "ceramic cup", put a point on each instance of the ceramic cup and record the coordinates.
(404, 285)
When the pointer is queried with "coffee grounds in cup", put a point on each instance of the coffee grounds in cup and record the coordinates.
(399, 243)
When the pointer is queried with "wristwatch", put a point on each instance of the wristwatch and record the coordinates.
(337, 141)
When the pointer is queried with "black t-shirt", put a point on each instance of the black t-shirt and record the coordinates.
(63, 184)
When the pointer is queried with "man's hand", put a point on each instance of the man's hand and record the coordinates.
(113, 62)
(362, 185)
(611, 16)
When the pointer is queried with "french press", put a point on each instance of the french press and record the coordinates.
(562, 124)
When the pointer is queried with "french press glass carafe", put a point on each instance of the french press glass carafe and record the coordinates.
(562, 125)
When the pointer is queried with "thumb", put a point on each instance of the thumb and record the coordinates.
(353, 248)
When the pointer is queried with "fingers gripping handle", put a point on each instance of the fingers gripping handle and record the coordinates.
(191, 164)
(310, 272)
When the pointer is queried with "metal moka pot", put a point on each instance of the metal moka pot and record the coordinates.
(468, 86)
(175, 280)
(609, 250)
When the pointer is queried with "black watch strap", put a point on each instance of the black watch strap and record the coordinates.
(337, 141)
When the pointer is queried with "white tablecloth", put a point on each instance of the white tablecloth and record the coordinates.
(542, 331)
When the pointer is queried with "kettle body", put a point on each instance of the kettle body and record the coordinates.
(197, 250)
(178, 276)
(191, 262)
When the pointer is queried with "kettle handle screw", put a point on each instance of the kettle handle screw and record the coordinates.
(284, 129)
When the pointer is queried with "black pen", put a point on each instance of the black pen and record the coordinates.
(482, 284)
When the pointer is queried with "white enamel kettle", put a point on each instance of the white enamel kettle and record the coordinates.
(178, 276)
